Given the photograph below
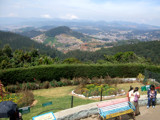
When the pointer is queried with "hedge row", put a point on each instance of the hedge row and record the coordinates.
(55, 72)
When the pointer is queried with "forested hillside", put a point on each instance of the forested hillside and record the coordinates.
(31, 33)
(149, 50)
(20, 42)
(63, 30)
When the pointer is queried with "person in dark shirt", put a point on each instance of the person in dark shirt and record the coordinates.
(152, 93)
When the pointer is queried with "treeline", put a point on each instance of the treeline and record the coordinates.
(21, 58)
(148, 50)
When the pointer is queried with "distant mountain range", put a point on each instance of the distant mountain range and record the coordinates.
(108, 31)
(39, 22)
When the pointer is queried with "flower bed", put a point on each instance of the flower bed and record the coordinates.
(94, 91)
(22, 99)
(11, 97)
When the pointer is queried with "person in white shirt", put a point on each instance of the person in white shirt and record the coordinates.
(136, 98)
(131, 95)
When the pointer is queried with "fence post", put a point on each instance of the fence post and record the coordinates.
(72, 102)
(101, 94)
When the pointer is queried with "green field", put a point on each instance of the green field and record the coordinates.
(60, 98)
(53, 40)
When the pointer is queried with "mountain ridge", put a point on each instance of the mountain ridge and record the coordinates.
(17, 41)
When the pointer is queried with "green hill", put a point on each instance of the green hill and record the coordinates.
(21, 42)
(64, 30)
(63, 38)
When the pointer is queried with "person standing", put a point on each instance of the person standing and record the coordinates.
(136, 98)
(131, 95)
(152, 93)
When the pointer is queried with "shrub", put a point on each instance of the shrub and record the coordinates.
(66, 81)
(46, 85)
(50, 72)
(27, 99)
(52, 83)
(75, 81)
(12, 88)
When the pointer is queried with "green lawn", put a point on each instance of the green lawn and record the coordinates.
(60, 97)
(126, 86)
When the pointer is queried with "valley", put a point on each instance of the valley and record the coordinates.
(66, 40)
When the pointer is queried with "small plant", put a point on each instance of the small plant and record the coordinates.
(75, 81)
(46, 85)
(26, 99)
(66, 81)
(140, 77)
(12, 88)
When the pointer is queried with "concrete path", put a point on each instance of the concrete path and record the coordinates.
(146, 114)
(149, 114)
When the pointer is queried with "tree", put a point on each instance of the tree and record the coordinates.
(7, 50)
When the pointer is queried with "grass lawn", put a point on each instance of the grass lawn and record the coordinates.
(60, 98)
(126, 86)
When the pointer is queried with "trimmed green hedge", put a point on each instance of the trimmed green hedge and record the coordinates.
(51, 72)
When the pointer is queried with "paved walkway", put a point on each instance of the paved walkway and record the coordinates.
(149, 114)
(146, 114)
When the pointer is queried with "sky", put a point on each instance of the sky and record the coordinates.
(139, 11)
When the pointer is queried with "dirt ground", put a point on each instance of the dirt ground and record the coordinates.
(146, 114)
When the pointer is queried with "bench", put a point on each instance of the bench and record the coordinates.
(24, 110)
(115, 108)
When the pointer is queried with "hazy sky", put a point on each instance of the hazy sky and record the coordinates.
(140, 11)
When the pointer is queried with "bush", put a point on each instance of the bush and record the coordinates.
(12, 88)
(66, 81)
(75, 81)
(46, 85)
(27, 99)
(56, 72)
